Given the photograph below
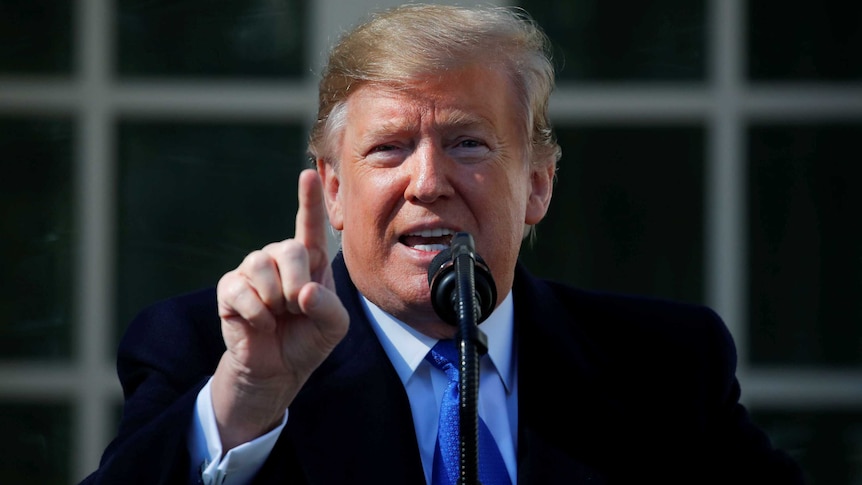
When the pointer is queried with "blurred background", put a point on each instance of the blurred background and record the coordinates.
(710, 154)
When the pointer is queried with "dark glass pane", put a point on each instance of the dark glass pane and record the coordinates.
(36, 213)
(601, 40)
(804, 40)
(826, 444)
(36, 445)
(196, 38)
(627, 212)
(194, 199)
(36, 37)
(805, 269)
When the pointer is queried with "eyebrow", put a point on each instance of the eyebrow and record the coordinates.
(386, 129)
(452, 121)
(461, 119)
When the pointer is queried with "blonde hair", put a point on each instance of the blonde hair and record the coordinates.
(404, 43)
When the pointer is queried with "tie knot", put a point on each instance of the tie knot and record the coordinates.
(444, 356)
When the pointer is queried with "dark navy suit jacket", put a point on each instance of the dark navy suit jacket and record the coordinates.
(613, 389)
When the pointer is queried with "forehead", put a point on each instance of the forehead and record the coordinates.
(465, 96)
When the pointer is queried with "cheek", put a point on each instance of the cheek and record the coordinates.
(518, 190)
(368, 200)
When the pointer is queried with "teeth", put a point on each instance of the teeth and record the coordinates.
(431, 247)
(433, 233)
(429, 233)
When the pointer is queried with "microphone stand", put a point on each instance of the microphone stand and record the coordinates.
(459, 301)
(473, 343)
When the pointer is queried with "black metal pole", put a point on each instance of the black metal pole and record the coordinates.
(463, 294)
(472, 345)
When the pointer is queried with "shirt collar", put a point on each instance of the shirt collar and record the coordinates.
(406, 347)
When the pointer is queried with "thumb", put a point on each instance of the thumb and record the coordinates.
(324, 308)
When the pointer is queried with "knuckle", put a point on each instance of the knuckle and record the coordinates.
(230, 286)
(289, 249)
(256, 260)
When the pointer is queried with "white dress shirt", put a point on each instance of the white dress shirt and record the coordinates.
(406, 349)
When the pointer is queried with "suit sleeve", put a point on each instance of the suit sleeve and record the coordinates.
(164, 359)
(742, 442)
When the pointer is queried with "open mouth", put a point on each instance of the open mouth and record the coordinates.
(428, 240)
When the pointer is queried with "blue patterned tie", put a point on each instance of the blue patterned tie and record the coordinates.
(447, 466)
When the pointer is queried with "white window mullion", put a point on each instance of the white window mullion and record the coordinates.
(726, 248)
(93, 283)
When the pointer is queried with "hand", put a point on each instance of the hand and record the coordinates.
(280, 319)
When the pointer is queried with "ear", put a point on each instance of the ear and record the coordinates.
(331, 185)
(542, 186)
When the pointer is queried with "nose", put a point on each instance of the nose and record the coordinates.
(429, 174)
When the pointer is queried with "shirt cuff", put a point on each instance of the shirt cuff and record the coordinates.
(240, 464)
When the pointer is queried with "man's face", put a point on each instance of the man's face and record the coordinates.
(418, 165)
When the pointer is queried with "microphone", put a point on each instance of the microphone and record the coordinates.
(463, 294)
(443, 280)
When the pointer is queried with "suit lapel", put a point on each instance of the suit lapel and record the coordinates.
(354, 409)
(562, 412)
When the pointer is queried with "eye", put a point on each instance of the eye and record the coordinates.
(469, 150)
(469, 143)
(385, 154)
(382, 148)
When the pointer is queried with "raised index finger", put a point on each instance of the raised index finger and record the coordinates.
(311, 219)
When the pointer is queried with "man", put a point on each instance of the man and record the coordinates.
(432, 120)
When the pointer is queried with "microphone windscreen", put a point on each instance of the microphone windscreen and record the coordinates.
(444, 285)
(443, 258)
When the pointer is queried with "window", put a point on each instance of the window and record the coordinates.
(708, 156)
